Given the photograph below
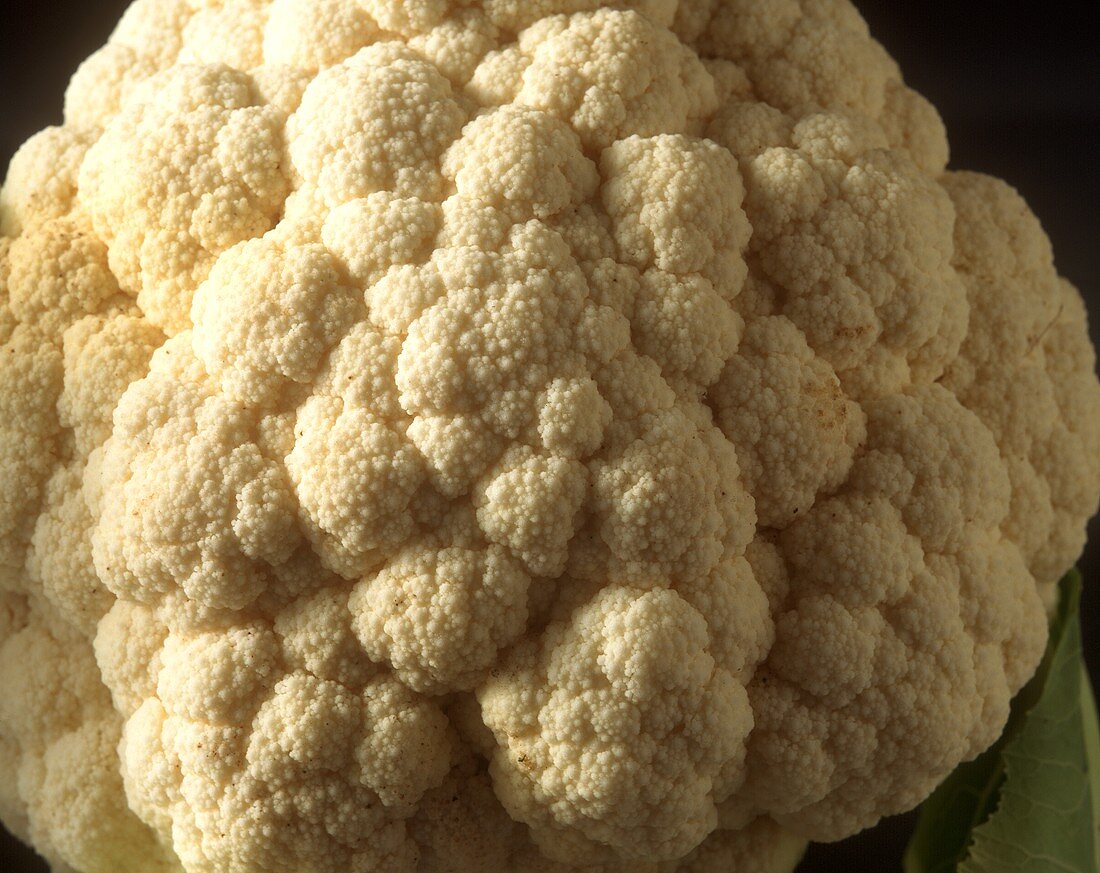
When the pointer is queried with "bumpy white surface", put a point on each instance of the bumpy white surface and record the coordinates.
(510, 435)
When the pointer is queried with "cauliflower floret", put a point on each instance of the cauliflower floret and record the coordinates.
(207, 125)
(377, 122)
(921, 512)
(229, 33)
(1025, 368)
(610, 92)
(103, 355)
(32, 373)
(617, 729)
(62, 734)
(676, 205)
(439, 613)
(186, 499)
(527, 435)
(860, 243)
(60, 558)
(267, 315)
(313, 34)
(783, 407)
(375, 233)
(354, 478)
(805, 53)
(42, 178)
(521, 161)
(58, 273)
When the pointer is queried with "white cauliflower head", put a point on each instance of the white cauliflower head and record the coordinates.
(547, 436)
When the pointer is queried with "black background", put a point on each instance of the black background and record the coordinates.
(1018, 86)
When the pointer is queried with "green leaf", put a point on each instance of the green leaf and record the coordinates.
(1092, 752)
(947, 818)
(1027, 804)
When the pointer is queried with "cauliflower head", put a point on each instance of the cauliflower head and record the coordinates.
(519, 435)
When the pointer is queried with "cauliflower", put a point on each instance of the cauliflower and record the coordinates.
(521, 435)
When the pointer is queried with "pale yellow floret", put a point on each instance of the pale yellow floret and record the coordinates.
(267, 315)
(783, 407)
(102, 356)
(203, 124)
(612, 92)
(230, 32)
(104, 83)
(155, 27)
(313, 34)
(42, 179)
(31, 372)
(375, 233)
(457, 44)
(521, 161)
(1025, 369)
(626, 688)
(128, 653)
(676, 204)
(438, 613)
(60, 558)
(179, 444)
(63, 733)
(349, 139)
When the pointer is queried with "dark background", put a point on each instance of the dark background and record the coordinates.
(1018, 86)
